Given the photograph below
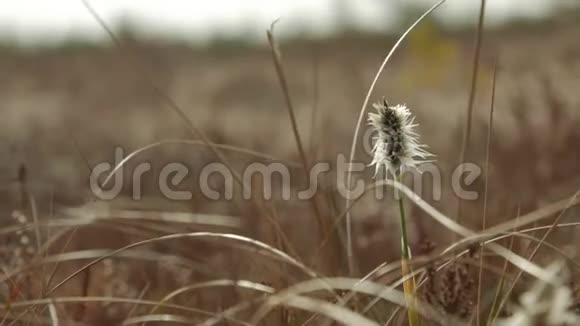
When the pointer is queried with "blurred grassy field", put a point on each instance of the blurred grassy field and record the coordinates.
(66, 109)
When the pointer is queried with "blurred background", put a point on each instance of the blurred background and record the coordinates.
(68, 88)
(35, 23)
(69, 95)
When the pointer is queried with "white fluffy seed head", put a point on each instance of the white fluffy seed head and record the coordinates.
(396, 144)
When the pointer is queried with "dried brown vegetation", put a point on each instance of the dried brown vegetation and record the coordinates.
(64, 110)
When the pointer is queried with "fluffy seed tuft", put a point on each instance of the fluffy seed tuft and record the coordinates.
(396, 144)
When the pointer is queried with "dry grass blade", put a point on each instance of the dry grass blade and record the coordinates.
(393, 315)
(53, 314)
(166, 318)
(134, 254)
(486, 240)
(284, 84)
(494, 311)
(471, 100)
(282, 256)
(54, 223)
(349, 249)
(216, 283)
(228, 313)
(389, 294)
(141, 296)
(276, 56)
(96, 299)
(36, 222)
(23, 319)
(37, 235)
(315, 93)
(521, 234)
(336, 312)
(91, 213)
(190, 142)
(485, 191)
(57, 265)
(405, 277)
(560, 206)
(380, 270)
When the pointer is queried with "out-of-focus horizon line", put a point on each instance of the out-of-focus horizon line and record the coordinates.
(26, 23)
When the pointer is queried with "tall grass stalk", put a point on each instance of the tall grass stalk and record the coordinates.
(409, 285)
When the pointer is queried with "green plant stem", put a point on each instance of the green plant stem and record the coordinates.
(409, 285)
(404, 238)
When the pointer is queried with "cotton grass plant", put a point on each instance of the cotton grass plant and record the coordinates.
(397, 148)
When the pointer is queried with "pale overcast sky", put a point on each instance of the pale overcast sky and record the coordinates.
(31, 21)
